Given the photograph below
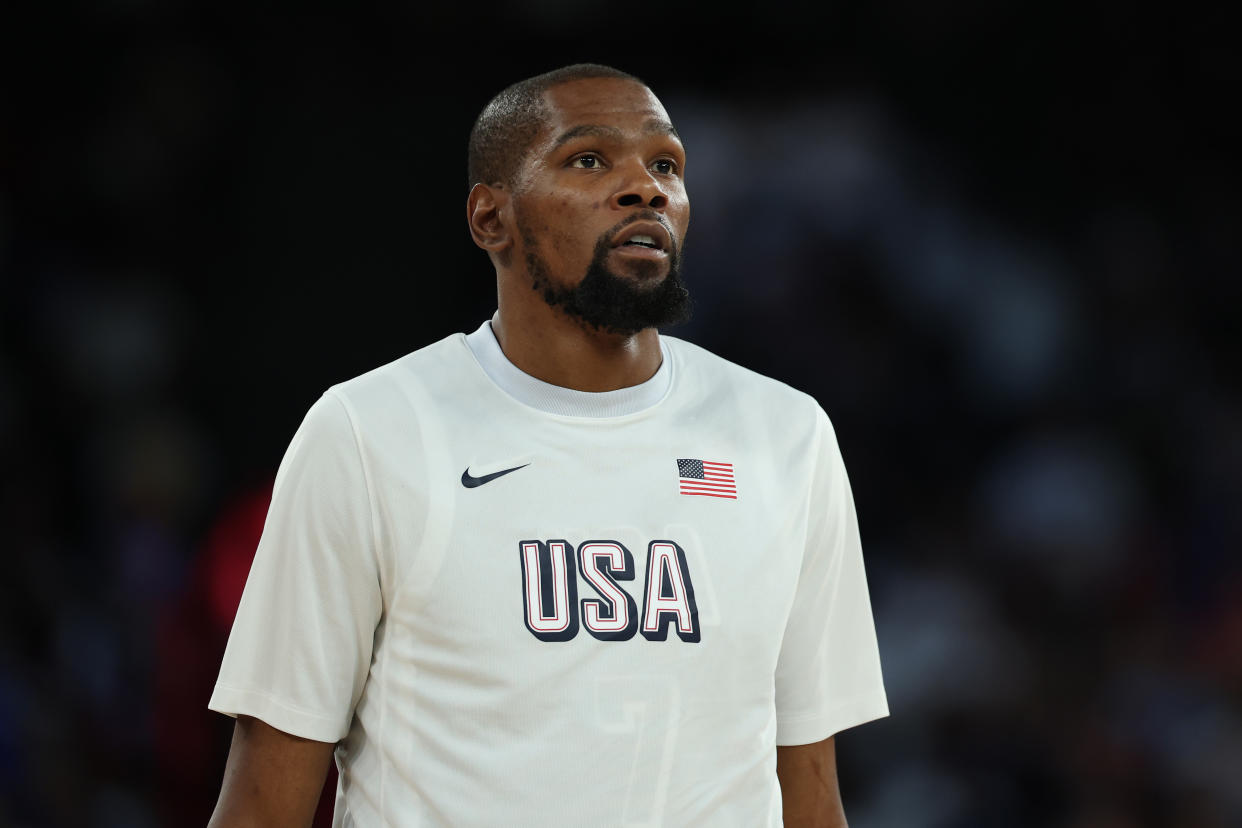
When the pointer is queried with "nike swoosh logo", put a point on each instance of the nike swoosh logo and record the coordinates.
(471, 482)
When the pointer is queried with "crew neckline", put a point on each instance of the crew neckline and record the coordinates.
(556, 399)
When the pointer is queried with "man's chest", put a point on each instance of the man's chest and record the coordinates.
(692, 541)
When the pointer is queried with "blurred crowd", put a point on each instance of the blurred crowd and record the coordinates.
(1017, 311)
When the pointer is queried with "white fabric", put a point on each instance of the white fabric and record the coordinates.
(555, 399)
(387, 607)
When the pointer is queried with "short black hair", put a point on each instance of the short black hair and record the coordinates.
(507, 126)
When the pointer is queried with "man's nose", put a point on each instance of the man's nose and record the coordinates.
(639, 188)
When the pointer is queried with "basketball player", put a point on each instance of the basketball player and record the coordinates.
(561, 571)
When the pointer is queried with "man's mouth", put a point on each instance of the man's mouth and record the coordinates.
(642, 241)
(648, 239)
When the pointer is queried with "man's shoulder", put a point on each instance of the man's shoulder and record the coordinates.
(425, 366)
(716, 372)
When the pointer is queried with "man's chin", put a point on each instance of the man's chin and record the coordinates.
(644, 273)
(619, 294)
(629, 304)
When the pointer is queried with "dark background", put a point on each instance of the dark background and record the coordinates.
(998, 242)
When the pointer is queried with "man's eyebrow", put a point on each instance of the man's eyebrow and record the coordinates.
(596, 130)
(658, 127)
(652, 127)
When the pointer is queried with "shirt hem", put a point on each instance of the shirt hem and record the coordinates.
(234, 702)
(805, 730)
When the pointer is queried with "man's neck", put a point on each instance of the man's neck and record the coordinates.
(549, 345)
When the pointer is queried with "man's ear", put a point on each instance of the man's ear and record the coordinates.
(483, 214)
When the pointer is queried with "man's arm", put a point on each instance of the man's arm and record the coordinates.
(272, 779)
(808, 777)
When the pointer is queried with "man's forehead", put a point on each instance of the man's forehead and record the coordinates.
(594, 105)
(651, 126)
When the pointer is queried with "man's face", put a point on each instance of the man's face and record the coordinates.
(601, 207)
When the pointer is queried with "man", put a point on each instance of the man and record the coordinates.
(562, 571)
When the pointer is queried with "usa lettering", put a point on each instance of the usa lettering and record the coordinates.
(553, 611)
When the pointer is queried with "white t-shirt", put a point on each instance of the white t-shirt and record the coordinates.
(515, 604)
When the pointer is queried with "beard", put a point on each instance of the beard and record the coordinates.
(611, 303)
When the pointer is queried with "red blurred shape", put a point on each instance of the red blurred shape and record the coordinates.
(191, 742)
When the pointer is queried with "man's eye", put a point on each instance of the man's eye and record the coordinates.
(665, 166)
(586, 162)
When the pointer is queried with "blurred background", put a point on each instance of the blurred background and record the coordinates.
(998, 242)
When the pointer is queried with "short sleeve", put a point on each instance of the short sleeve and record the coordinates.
(828, 674)
(300, 647)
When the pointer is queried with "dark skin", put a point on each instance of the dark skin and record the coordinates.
(606, 152)
(272, 779)
(810, 795)
(569, 192)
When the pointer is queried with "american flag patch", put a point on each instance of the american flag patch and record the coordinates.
(700, 477)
